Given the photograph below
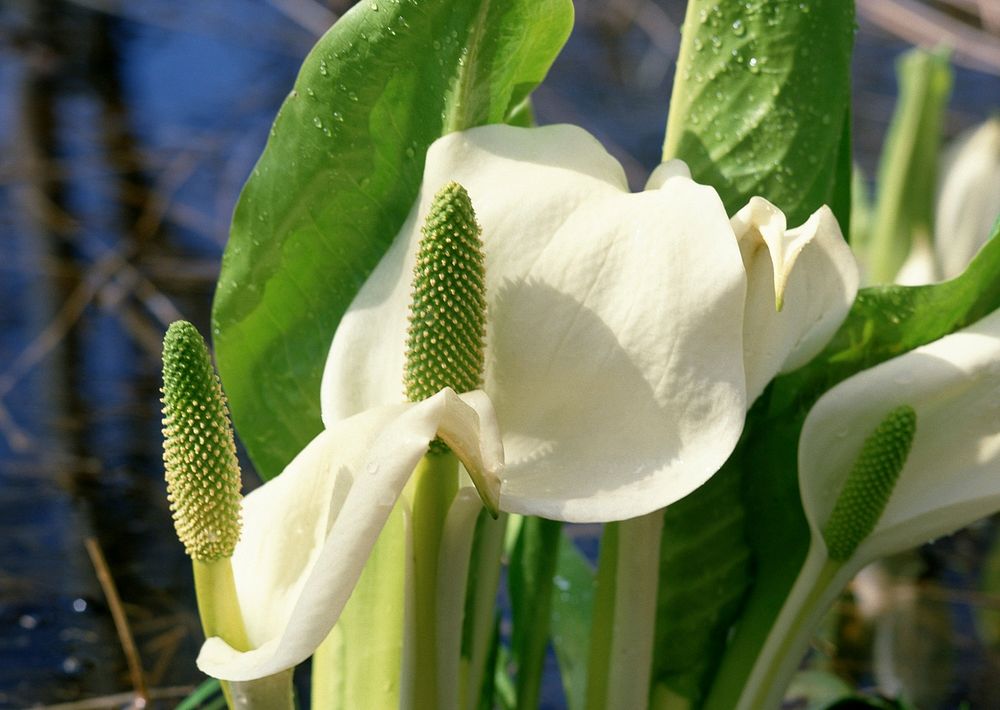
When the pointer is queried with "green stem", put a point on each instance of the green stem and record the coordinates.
(636, 584)
(817, 586)
(679, 97)
(909, 163)
(435, 482)
(481, 622)
(602, 623)
(271, 693)
(531, 658)
(360, 664)
(453, 576)
(621, 653)
(219, 607)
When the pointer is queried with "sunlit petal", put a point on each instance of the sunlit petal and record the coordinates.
(614, 340)
(308, 532)
(952, 475)
(800, 285)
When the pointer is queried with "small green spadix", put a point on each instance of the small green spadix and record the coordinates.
(203, 480)
(199, 454)
(870, 483)
(444, 347)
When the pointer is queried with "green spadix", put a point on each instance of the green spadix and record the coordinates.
(870, 483)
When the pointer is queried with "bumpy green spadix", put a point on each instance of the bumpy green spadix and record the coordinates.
(199, 454)
(448, 307)
(870, 483)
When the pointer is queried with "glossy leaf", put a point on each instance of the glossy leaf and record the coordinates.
(758, 105)
(703, 545)
(530, 580)
(338, 177)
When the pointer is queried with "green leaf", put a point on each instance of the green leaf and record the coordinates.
(884, 322)
(530, 581)
(759, 102)
(338, 177)
(572, 606)
(907, 174)
(705, 564)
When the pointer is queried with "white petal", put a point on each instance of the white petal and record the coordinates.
(968, 202)
(308, 532)
(920, 266)
(614, 331)
(952, 475)
(800, 285)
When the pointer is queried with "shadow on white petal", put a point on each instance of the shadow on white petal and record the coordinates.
(587, 437)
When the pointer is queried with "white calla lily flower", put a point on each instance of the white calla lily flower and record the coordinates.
(950, 478)
(627, 332)
(617, 366)
(308, 532)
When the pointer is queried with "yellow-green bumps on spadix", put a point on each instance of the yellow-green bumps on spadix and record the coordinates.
(199, 454)
(448, 309)
(870, 483)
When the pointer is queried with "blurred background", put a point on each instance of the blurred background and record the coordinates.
(127, 128)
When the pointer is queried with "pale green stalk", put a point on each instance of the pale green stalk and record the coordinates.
(435, 483)
(602, 621)
(271, 693)
(453, 574)
(361, 663)
(906, 177)
(624, 652)
(482, 607)
(818, 585)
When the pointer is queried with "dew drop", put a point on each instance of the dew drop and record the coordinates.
(739, 29)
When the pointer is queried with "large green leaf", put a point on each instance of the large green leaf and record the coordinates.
(705, 568)
(338, 177)
(759, 105)
(530, 580)
(883, 323)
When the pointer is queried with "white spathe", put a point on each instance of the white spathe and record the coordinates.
(308, 532)
(952, 475)
(626, 335)
(950, 479)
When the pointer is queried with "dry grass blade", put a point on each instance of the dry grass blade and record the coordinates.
(121, 622)
(921, 24)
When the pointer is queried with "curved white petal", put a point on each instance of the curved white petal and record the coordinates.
(952, 475)
(968, 201)
(800, 285)
(308, 532)
(614, 345)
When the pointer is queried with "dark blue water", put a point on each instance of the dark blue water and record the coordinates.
(125, 136)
